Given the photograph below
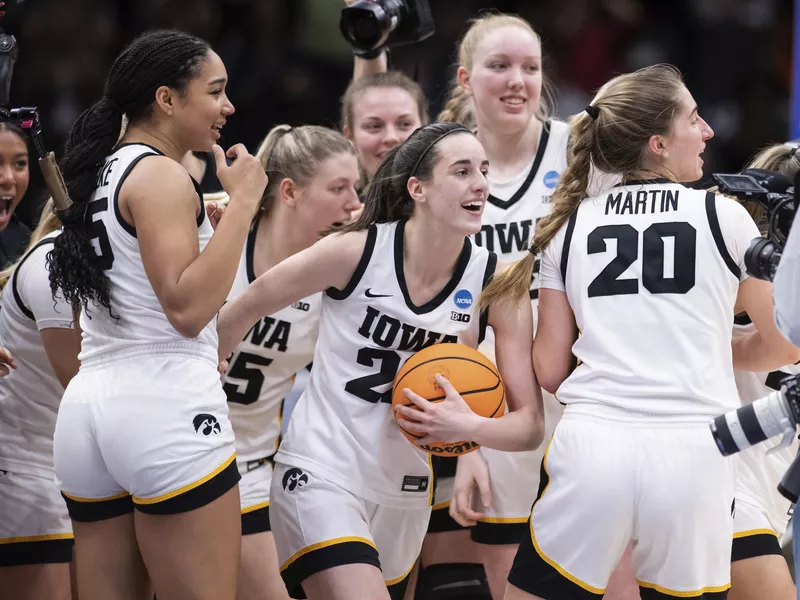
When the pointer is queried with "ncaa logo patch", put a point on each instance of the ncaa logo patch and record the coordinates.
(463, 299)
(206, 424)
(551, 179)
(293, 478)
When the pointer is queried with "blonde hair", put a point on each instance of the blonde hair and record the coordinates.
(630, 109)
(781, 158)
(296, 153)
(460, 107)
(48, 223)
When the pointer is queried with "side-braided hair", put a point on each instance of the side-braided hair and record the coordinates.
(156, 58)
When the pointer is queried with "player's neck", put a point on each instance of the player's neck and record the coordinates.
(277, 239)
(422, 239)
(508, 153)
(152, 137)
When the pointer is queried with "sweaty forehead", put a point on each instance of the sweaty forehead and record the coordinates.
(385, 103)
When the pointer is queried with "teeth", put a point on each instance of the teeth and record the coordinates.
(513, 100)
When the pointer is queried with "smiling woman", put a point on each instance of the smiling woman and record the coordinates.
(14, 176)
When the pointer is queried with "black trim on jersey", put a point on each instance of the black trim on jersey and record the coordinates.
(537, 162)
(17, 298)
(567, 242)
(256, 521)
(203, 494)
(90, 512)
(751, 546)
(122, 222)
(335, 294)
(126, 144)
(655, 181)
(498, 534)
(40, 552)
(250, 252)
(742, 319)
(327, 557)
(202, 216)
(436, 301)
(488, 274)
(716, 232)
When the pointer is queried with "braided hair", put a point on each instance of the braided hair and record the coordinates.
(154, 59)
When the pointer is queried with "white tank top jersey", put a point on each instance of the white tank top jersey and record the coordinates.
(31, 394)
(343, 428)
(513, 207)
(140, 319)
(651, 270)
(264, 365)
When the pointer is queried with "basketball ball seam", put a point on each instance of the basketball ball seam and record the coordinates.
(490, 369)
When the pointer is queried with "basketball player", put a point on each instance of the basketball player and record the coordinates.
(35, 531)
(313, 172)
(500, 90)
(758, 568)
(351, 496)
(144, 424)
(650, 274)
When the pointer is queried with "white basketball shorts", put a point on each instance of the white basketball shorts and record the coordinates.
(34, 526)
(318, 525)
(149, 431)
(254, 495)
(665, 487)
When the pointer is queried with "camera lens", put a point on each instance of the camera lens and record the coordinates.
(365, 25)
(6, 42)
(759, 258)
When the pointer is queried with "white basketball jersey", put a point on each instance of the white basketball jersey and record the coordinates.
(264, 364)
(652, 270)
(759, 472)
(343, 428)
(31, 394)
(140, 319)
(513, 207)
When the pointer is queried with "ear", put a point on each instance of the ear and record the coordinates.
(462, 76)
(657, 144)
(166, 99)
(346, 132)
(287, 191)
(414, 187)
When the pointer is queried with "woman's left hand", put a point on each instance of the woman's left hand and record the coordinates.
(214, 210)
(449, 420)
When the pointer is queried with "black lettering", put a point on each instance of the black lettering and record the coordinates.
(412, 338)
(105, 173)
(385, 337)
(280, 336)
(627, 205)
(516, 239)
(366, 326)
(669, 200)
(613, 202)
(654, 194)
(261, 329)
(641, 202)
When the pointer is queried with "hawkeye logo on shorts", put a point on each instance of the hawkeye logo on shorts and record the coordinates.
(463, 299)
(293, 478)
(551, 179)
(206, 424)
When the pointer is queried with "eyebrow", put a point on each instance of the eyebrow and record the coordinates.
(467, 162)
(217, 81)
(694, 112)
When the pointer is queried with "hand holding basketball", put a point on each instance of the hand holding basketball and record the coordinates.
(450, 419)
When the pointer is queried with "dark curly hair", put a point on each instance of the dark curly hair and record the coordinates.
(152, 60)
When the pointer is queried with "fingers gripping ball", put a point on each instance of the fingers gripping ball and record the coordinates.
(472, 374)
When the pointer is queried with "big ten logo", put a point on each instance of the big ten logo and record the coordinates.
(304, 306)
(463, 299)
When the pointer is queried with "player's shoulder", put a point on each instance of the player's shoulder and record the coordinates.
(157, 174)
(728, 207)
(558, 128)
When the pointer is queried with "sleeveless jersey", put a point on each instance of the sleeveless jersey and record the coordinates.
(509, 218)
(343, 428)
(651, 270)
(31, 394)
(140, 319)
(264, 364)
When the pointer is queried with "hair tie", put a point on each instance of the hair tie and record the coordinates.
(793, 152)
(461, 129)
(533, 250)
(593, 112)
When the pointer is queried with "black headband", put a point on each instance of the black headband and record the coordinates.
(433, 143)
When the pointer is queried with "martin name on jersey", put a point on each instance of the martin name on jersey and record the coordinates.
(343, 428)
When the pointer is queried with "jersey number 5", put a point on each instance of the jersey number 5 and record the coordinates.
(607, 283)
(246, 368)
(362, 387)
(97, 231)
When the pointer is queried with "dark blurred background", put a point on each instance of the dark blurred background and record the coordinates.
(288, 63)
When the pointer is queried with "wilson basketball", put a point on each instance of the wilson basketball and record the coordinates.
(472, 374)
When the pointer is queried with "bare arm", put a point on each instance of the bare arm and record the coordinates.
(190, 285)
(62, 347)
(553, 360)
(369, 66)
(764, 349)
(330, 262)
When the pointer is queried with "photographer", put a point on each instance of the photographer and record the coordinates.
(787, 289)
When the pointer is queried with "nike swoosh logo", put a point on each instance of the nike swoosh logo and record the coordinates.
(368, 294)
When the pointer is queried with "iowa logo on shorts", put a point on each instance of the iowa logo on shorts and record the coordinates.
(206, 424)
(294, 478)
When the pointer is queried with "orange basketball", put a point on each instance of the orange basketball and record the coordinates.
(472, 374)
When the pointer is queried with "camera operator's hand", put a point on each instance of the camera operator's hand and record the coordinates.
(368, 66)
(244, 180)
